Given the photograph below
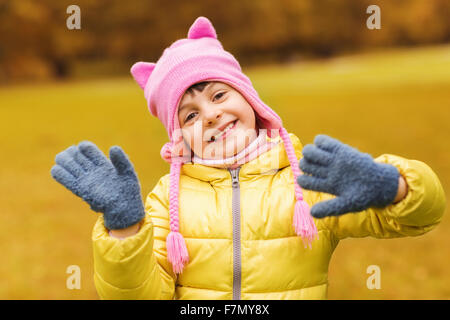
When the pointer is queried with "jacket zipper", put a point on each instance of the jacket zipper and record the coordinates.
(236, 208)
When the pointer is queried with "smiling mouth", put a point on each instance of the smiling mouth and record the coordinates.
(224, 133)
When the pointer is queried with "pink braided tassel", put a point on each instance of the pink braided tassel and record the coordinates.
(177, 253)
(303, 222)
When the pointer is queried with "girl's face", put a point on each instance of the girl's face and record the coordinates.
(217, 122)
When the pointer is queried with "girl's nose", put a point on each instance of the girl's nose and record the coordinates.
(212, 117)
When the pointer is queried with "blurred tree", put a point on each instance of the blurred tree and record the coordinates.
(36, 44)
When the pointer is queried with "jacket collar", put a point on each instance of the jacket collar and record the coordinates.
(266, 163)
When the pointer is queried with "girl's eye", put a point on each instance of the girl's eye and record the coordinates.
(219, 95)
(189, 116)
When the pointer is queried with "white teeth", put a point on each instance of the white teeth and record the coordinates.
(223, 132)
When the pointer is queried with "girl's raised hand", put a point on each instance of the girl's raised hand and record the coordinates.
(108, 186)
(354, 177)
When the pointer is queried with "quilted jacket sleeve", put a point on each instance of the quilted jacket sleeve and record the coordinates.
(136, 267)
(419, 212)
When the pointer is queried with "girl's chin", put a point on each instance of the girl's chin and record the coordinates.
(218, 154)
(214, 150)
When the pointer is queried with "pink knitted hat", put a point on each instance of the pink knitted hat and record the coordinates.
(201, 57)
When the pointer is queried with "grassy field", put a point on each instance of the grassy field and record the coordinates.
(395, 102)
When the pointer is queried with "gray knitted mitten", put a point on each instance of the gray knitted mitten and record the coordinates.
(108, 186)
(336, 168)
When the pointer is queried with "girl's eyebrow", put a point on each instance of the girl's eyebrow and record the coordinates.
(183, 106)
(208, 87)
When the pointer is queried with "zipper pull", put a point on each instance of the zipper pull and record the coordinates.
(234, 177)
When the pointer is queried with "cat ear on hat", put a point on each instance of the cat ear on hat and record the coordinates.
(141, 71)
(201, 28)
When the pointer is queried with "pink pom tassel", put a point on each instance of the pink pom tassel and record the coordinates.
(304, 224)
(177, 253)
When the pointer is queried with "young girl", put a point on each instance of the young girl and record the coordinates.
(232, 220)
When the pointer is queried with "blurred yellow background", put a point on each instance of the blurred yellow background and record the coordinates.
(379, 96)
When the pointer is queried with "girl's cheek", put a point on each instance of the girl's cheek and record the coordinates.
(191, 142)
(195, 144)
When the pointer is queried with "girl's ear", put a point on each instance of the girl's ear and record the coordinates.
(201, 28)
(141, 71)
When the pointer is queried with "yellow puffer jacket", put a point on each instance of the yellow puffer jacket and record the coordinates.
(268, 261)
